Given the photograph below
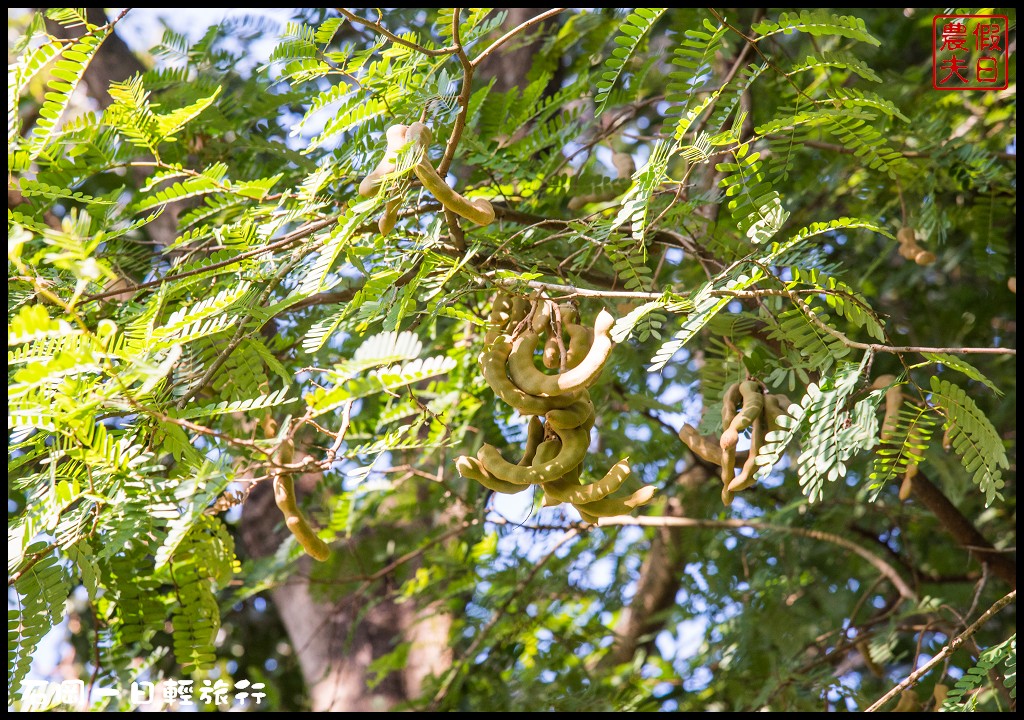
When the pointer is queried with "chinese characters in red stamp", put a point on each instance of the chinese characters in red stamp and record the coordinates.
(969, 52)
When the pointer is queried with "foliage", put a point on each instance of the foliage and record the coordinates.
(200, 303)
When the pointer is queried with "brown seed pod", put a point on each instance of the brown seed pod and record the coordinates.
(609, 507)
(574, 493)
(478, 210)
(493, 362)
(527, 377)
(396, 140)
(295, 521)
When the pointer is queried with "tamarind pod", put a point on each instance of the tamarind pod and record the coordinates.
(470, 468)
(583, 494)
(396, 139)
(1012, 284)
(939, 693)
(563, 484)
(924, 257)
(477, 210)
(727, 496)
(534, 437)
(574, 447)
(574, 416)
(386, 222)
(908, 251)
(284, 496)
(728, 468)
(893, 401)
(552, 355)
(623, 164)
(774, 407)
(746, 478)
(587, 517)
(541, 319)
(704, 447)
(546, 452)
(419, 134)
(501, 308)
(608, 507)
(730, 399)
(753, 404)
(568, 313)
(580, 340)
(492, 367)
(906, 236)
(520, 306)
(531, 380)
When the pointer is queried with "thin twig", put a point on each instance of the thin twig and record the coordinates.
(394, 38)
(950, 648)
(515, 31)
(878, 563)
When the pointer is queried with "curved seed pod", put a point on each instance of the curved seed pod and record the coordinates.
(1012, 284)
(574, 448)
(727, 496)
(587, 517)
(563, 484)
(583, 494)
(501, 308)
(775, 406)
(477, 210)
(608, 507)
(546, 452)
(531, 380)
(576, 415)
(706, 448)
(386, 222)
(753, 403)
(906, 236)
(396, 139)
(730, 399)
(470, 468)
(541, 319)
(624, 165)
(534, 437)
(520, 306)
(568, 313)
(747, 478)
(893, 401)
(492, 366)
(581, 338)
(284, 496)
(552, 355)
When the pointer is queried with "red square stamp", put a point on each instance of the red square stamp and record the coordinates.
(970, 52)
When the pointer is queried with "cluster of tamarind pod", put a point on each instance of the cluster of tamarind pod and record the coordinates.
(910, 249)
(559, 406)
(743, 406)
(418, 137)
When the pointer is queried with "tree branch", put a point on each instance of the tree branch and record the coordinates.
(962, 530)
(952, 647)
